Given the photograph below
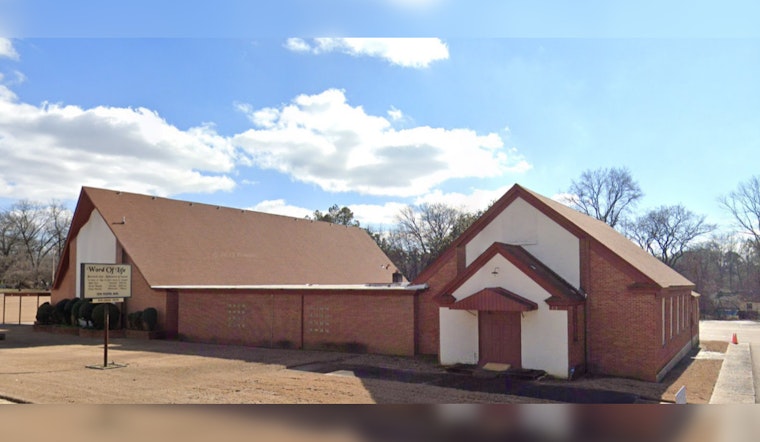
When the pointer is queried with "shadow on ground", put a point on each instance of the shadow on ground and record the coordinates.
(23, 336)
(501, 383)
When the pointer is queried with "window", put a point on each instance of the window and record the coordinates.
(749, 306)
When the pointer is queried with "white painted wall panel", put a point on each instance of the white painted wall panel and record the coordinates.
(95, 243)
(544, 339)
(459, 337)
(522, 224)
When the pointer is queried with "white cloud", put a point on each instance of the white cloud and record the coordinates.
(374, 215)
(7, 50)
(395, 114)
(477, 199)
(321, 139)
(384, 215)
(297, 45)
(568, 199)
(280, 207)
(49, 151)
(406, 52)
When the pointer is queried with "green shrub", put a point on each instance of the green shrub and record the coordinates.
(85, 310)
(284, 343)
(354, 347)
(75, 310)
(99, 316)
(67, 310)
(59, 317)
(45, 314)
(134, 320)
(150, 318)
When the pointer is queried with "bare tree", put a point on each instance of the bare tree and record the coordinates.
(8, 243)
(667, 232)
(744, 206)
(605, 194)
(29, 221)
(425, 231)
(33, 237)
(57, 229)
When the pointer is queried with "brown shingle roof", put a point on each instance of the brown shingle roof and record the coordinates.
(623, 247)
(580, 225)
(562, 293)
(178, 243)
(495, 299)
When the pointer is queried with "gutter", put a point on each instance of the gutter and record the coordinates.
(357, 287)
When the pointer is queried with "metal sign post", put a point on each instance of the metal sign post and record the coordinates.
(105, 337)
(106, 283)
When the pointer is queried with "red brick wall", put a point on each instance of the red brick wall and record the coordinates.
(67, 289)
(682, 333)
(240, 318)
(142, 295)
(382, 323)
(576, 337)
(623, 325)
(427, 309)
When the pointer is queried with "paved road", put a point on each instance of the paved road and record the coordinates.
(746, 331)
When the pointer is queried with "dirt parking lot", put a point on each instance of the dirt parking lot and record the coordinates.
(49, 368)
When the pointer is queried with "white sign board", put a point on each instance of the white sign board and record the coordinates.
(106, 281)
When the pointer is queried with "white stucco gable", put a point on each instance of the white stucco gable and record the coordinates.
(95, 244)
(544, 332)
(522, 224)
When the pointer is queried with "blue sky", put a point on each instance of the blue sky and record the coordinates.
(293, 106)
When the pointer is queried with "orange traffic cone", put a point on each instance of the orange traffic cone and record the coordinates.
(734, 340)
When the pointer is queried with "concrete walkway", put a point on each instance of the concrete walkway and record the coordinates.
(735, 383)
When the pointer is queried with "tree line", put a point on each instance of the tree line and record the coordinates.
(32, 238)
(33, 234)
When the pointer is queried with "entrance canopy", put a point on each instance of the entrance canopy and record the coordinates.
(495, 299)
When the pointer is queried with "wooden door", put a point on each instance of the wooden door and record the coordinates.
(499, 336)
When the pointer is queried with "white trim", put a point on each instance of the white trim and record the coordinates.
(671, 318)
(387, 287)
(678, 315)
(663, 322)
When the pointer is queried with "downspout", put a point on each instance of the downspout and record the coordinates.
(585, 334)
(585, 263)
(302, 322)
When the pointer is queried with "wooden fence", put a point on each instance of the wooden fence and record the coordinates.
(20, 307)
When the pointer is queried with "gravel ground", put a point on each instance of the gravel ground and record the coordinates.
(698, 372)
(51, 369)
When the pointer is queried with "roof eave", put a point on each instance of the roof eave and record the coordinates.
(358, 287)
